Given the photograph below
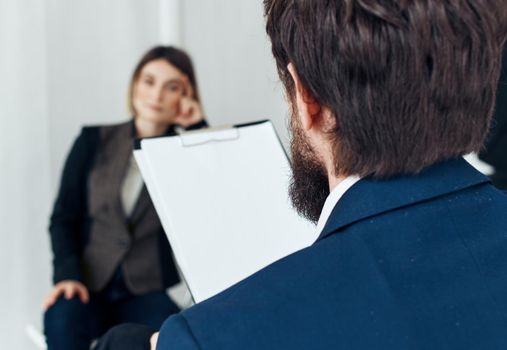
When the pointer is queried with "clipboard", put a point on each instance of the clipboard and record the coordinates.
(221, 196)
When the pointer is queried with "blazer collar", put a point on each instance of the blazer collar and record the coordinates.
(142, 205)
(369, 197)
(119, 150)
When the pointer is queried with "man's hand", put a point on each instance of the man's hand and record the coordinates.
(153, 341)
(69, 288)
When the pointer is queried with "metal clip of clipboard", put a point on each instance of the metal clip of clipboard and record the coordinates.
(203, 136)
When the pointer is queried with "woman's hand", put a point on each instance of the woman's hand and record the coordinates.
(69, 288)
(190, 110)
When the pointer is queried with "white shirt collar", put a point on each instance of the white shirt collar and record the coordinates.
(333, 199)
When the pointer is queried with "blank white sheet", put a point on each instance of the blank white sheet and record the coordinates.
(222, 199)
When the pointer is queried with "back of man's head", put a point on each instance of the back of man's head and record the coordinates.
(410, 82)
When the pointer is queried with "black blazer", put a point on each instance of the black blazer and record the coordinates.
(71, 221)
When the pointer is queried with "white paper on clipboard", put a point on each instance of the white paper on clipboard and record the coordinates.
(222, 199)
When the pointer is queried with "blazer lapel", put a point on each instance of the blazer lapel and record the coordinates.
(142, 205)
(370, 197)
(121, 148)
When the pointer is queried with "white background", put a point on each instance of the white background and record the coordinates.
(67, 63)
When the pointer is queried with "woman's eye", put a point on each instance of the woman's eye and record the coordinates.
(148, 82)
(174, 87)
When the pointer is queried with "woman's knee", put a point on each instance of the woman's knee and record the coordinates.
(66, 314)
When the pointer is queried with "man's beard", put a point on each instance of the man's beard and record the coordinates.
(309, 185)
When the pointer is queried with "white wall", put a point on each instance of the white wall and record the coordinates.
(25, 168)
(236, 71)
(67, 63)
(92, 48)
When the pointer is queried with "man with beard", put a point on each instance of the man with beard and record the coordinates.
(412, 254)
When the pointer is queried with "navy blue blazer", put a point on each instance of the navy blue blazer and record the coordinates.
(415, 262)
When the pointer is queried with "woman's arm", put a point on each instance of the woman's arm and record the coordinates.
(70, 209)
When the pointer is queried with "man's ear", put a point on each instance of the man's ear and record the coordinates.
(309, 109)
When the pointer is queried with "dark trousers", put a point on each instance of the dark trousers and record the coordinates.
(70, 324)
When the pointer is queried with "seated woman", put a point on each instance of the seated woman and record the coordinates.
(112, 262)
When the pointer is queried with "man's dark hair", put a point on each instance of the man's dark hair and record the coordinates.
(410, 82)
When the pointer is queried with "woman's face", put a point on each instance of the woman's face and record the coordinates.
(158, 91)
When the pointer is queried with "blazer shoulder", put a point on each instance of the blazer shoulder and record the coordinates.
(101, 133)
(108, 128)
(89, 132)
(176, 333)
(91, 136)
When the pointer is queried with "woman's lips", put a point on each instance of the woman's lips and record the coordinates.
(155, 108)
